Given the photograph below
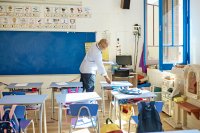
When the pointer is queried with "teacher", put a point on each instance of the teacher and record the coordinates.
(91, 64)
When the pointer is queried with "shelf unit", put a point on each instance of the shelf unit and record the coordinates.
(166, 96)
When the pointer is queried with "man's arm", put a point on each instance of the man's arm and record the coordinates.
(101, 67)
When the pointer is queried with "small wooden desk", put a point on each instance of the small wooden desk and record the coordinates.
(55, 86)
(73, 97)
(188, 108)
(27, 100)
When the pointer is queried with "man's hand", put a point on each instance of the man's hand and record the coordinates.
(107, 79)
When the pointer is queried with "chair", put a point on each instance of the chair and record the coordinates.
(158, 106)
(84, 116)
(66, 90)
(21, 93)
(19, 118)
(23, 122)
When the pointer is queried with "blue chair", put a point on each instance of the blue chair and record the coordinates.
(66, 90)
(84, 116)
(22, 93)
(19, 118)
(158, 106)
(23, 122)
(12, 93)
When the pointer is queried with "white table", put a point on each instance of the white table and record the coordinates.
(105, 85)
(57, 85)
(119, 96)
(27, 100)
(73, 97)
(37, 85)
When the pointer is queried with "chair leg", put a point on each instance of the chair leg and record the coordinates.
(36, 118)
(33, 126)
(65, 113)
(110, 109)
(70, 129)
(129, 125)
(26, 114)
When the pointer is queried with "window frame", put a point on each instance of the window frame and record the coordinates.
(186, 35)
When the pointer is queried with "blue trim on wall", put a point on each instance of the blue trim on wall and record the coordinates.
(184, 32)
(188, 55)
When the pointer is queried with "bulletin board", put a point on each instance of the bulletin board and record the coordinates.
(28, 52)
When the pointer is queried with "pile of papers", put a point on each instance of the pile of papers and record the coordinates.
(62, 83)
(21, 84)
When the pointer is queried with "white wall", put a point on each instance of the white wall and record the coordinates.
(194, 31)
(106, 15)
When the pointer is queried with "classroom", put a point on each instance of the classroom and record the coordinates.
(99, 66)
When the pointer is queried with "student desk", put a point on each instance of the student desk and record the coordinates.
(25, 86)
(119, 96)
(27, 100)
(57, 85)
(73, 97)
(105, 86)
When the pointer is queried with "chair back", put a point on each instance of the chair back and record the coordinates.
(13, 93)
(66, 90)
(158, 106)
(19, 111)
(83, 109)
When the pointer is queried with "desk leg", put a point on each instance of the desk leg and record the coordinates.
(60, 118)
(52, 103)
(115, 108)
(98, 131)
(41, 112)
(103, 101)
(45, 119)
(40, 91)
(120, 126)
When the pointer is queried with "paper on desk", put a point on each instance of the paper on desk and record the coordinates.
(117, 83)
(61, 83)
(21, 84)
(120, 83)
(78, 97)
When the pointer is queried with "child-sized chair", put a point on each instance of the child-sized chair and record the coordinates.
(27, 108)
(84, 116)
(20, 112)
(17, 114)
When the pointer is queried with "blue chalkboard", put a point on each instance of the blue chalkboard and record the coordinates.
(24, 52)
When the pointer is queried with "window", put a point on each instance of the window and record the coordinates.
(172, 29)
(152, 32)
